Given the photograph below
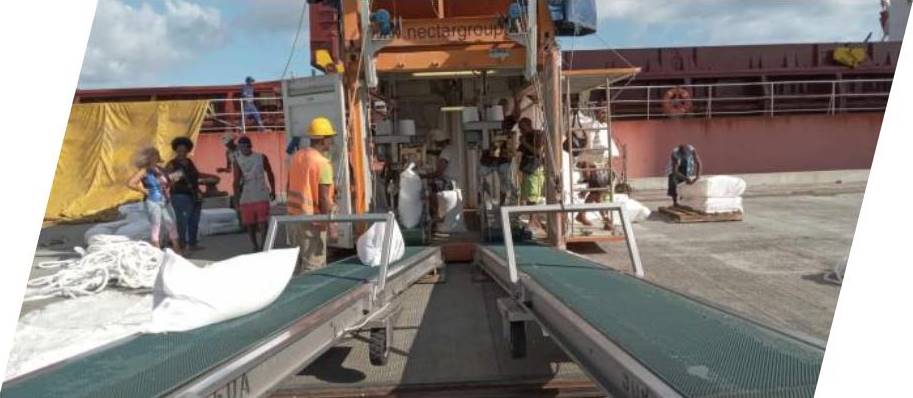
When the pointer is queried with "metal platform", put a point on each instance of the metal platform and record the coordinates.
(636, 339)
(246, 356)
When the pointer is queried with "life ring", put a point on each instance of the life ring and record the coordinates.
(677, 101)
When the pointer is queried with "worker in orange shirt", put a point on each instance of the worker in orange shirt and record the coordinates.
(311, 191)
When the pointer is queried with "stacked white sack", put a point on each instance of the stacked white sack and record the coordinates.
(218, 221)
(713, 187)
(714, 194)
(714, 205)
(135, 223)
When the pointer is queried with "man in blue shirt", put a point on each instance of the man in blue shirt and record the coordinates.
(685, 167)
(247, 96)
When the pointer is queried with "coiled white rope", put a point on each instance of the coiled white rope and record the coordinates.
(129, 264)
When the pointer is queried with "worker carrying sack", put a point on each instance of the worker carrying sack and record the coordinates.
(410, 197)
(187, 297)
(370, 245)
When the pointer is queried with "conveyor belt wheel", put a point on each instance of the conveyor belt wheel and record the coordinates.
(379, 346)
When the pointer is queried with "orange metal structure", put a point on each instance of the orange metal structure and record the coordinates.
(435, 36)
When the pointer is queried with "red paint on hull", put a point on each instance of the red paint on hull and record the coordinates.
(737, 145)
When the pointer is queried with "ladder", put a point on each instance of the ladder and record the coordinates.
(599, 159)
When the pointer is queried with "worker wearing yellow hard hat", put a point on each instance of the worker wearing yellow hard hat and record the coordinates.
(321, 127)
(310, 192)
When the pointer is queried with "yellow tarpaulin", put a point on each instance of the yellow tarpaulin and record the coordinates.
(96, 159)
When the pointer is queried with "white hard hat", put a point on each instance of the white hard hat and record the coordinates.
(438, 135)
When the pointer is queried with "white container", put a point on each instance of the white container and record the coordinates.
(406, 127)
(494, 113)
(470, 114)
(384, 128)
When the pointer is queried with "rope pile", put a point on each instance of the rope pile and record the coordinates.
(129, 264)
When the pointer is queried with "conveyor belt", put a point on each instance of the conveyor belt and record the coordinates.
(155, 365)
(694, 349)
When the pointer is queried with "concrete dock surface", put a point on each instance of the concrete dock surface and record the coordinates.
(769, 267)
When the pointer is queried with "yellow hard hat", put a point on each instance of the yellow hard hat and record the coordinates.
(321, 127)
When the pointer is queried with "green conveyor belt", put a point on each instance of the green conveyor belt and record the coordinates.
(698, 350)
(152, 365)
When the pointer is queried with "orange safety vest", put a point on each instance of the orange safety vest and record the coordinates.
(304, 181)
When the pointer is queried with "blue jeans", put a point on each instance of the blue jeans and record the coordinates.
(187, 211)
(250, 110)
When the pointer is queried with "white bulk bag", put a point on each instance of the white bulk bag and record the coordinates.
(410, 197)
(450, 208)
(211, 229)
(107, 228)
(218, 216)
(130, 208)
(137, 229)
(370, 245)
(187, 297)
(713, 187)
(634, 211)
(713, 205)
(218, 221)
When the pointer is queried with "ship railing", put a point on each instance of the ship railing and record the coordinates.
(231, 115)
(769, 98)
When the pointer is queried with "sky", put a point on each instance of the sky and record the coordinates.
(137, 43)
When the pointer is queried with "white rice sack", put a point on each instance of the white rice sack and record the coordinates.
(218, 221)
(211, 229)
(635, 211)
(410, 197)
(713, 187)
(130, 208)
(218, 216)
(713, 205)
(450, 208)
(138, 229)
(107, 228)
(370, 245)
(187, 297)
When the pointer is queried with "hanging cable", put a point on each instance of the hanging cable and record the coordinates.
(304, 8)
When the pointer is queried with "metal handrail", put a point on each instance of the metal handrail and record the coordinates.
(241, 115)
(778, 82)
(560, 208)
(822, 91)
(388, 218)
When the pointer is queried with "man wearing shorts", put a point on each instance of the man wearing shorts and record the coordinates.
(532, 151)
(252, 170)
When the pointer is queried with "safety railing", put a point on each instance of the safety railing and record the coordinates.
(388, 218)
(244, 115)
(507, 211)
(750, 98)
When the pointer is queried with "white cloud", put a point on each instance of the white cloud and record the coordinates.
(135, 43)
(723, 22)
(271, 16)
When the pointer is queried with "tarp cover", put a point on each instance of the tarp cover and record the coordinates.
(101, 139)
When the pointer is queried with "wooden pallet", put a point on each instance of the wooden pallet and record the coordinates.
(682, 214)
(594, 234)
